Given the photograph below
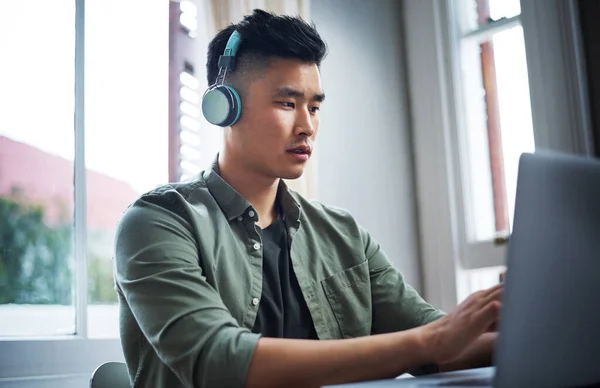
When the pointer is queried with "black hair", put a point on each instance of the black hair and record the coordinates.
(264, 36)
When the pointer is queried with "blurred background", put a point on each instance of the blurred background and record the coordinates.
(430, 103)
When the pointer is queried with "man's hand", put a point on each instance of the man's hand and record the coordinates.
(448, 337)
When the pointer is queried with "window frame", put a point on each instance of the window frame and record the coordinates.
(483, 253)
(555, 65)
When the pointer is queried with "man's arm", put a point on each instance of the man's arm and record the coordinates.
(179, 313)
(301, 363)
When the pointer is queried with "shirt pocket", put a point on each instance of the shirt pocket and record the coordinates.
(349, 296)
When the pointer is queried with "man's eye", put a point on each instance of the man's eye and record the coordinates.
(315, 109)
(287, 104)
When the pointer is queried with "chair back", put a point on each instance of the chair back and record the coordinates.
(110, 375)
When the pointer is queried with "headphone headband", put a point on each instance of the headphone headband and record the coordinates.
(227, 60)
(221, 104)
(232, 44)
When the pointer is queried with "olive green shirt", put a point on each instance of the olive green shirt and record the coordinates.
(189, 279)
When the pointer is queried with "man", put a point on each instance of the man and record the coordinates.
(233, 280)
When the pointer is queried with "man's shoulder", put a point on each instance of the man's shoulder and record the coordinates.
(182, 189)
(170, 198)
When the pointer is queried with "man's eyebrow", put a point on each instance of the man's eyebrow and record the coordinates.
(286, 91)
(319, 97)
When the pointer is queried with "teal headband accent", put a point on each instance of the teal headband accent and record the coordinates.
(232, 45)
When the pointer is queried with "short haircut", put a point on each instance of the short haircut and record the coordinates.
(265, 36)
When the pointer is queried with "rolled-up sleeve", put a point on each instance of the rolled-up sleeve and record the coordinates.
(178, 311)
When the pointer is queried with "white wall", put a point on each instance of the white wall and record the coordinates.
(364, 144)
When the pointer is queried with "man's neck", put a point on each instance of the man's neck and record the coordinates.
(261, 192)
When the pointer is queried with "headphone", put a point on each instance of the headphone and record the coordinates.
(221, 104)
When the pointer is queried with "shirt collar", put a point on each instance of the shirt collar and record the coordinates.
(234, 204)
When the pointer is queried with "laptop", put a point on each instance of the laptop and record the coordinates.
(549, 331)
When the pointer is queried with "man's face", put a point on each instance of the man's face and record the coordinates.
(280, 119)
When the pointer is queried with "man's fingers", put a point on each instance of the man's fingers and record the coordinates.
(483, 297)
(493, 302)
(496, 294)
(493, 327)
(495, 288)
(488, 315)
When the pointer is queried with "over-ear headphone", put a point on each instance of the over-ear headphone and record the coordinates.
(221, 104)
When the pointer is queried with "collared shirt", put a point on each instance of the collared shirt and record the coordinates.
(189, 279)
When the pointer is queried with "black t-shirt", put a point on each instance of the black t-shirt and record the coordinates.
(282, 311)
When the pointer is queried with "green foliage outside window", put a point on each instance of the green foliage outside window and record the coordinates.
(36, 260)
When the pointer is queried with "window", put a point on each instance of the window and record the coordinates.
(494, 129)
(37, 196)
(458, 175)
(64, 185)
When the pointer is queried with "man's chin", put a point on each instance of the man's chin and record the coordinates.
(291, 175)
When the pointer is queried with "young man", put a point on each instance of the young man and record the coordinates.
(233, 280)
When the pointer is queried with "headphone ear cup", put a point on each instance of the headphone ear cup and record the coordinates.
(236, 106)
(221, 105)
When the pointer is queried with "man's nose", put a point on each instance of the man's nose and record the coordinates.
(304, 124)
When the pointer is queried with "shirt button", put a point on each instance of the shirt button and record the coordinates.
(251, 213)
(255, 301)
(256, 246)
